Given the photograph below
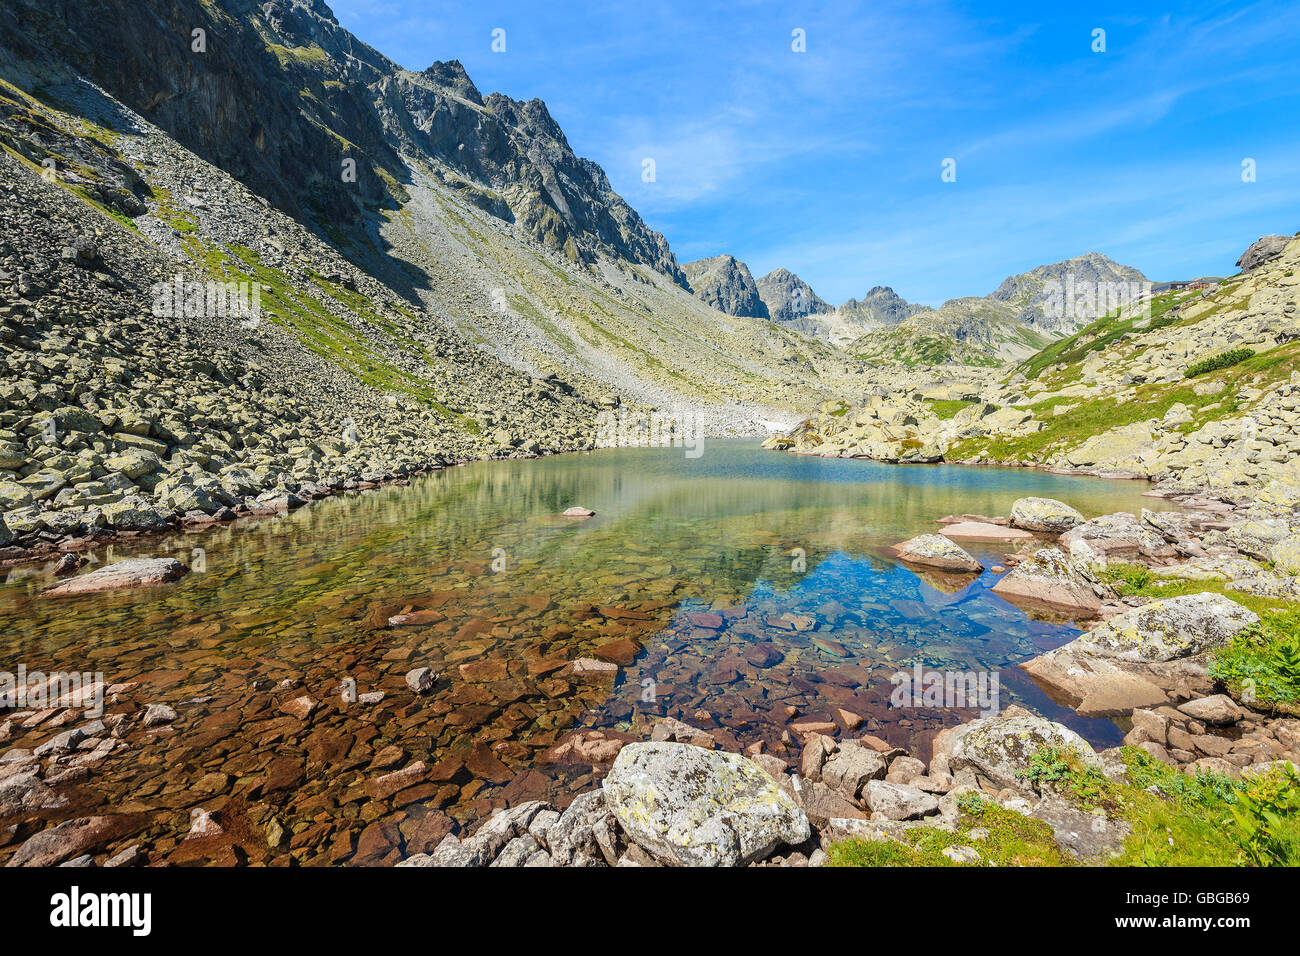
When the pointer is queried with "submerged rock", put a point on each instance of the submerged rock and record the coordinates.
(936, 551)
(131, 573)
(692, 807)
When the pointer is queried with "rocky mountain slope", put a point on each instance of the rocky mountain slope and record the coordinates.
(725, 283)
(476, 290)
(472, 208)
(1195, 388)
(1018, 318)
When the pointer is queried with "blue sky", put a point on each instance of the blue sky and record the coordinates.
(828, 162)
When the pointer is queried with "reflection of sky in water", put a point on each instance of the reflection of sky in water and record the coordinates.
(890, 619)
(299, 597)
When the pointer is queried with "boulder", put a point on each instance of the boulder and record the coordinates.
(850, 767)
(936, 551)
(691, 807)
(1050, 579)
(1000, 747)
(1262, 250)
(1118, 535)
(131, 573)
(1044, 514)
(1169, 628)
(896, 801)
(1218, 710)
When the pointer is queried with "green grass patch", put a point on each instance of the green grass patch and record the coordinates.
(1261, 664)
(946, 408)
(1012, 840)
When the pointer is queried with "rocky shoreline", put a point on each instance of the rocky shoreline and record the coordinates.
(689, 796)
(679, 802)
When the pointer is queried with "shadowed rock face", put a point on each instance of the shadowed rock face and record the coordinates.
(788, 298)
(282, 95)
(725, 283)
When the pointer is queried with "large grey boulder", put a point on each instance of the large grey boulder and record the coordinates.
(1261, 251)
(1170, 628)
(1044, 514)
(1000, 747)
(936, 551)
(896, 801)
(691, 807)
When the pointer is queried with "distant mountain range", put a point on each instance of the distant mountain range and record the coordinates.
(1016, 319)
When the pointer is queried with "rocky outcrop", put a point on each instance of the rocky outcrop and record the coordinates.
(1169, 628)
(1118, 536)
(1142, 657)
(936, 551)
(1051, 579)
(1262, 250)
(725, 283)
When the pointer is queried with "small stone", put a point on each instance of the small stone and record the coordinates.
(421, 679)
(301, 707)
(156, 714)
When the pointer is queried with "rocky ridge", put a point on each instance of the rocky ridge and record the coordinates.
(725, 283)
(1120, 398)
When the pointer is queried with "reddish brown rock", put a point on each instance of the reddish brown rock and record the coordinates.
(73, 838)
(704, 619)
(301, 707)
(380, 788)
(622, 652)
(131, 573)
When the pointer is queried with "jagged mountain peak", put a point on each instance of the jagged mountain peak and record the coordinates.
(725, 283)
(788, 298)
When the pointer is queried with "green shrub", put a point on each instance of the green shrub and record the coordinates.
(1267, 815)
(1214, 362)
(1261, 664)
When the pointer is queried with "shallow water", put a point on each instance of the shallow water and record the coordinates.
(517, 592)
